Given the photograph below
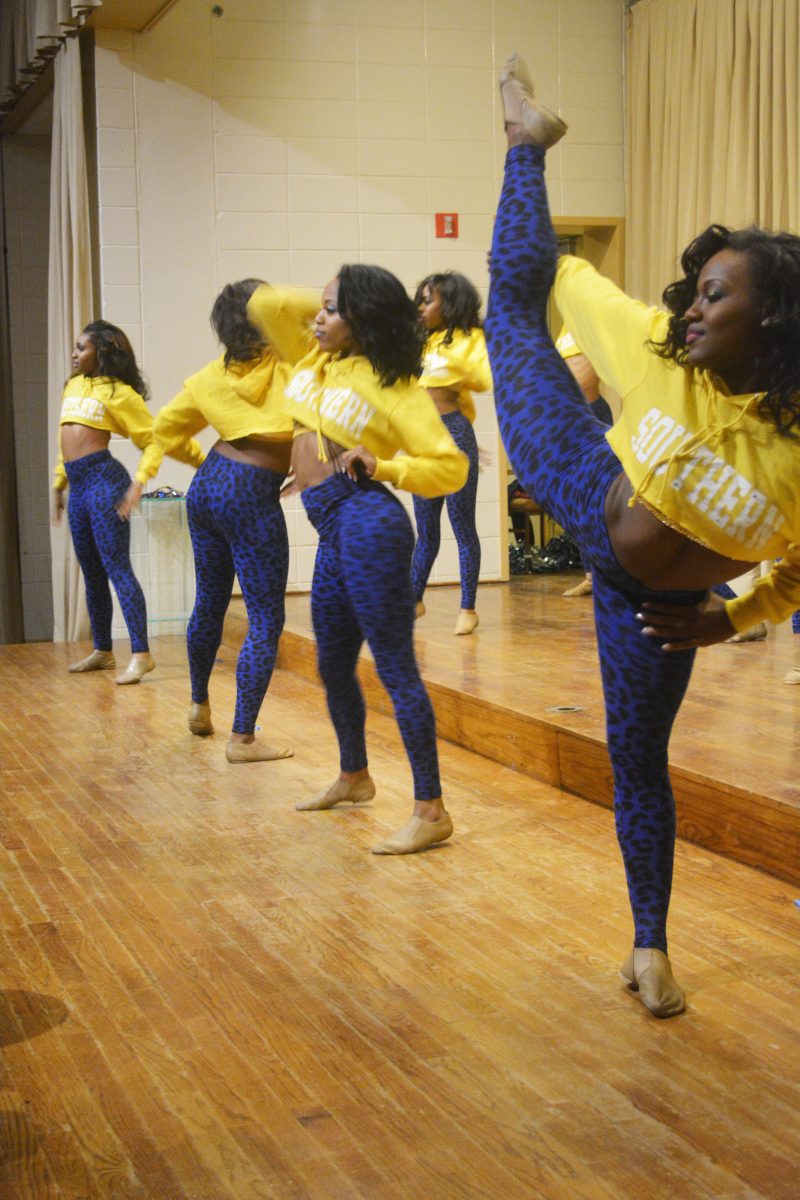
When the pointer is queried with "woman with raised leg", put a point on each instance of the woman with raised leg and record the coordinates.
(235, 517)
(696, 481)
(354, 396)
(454, 365)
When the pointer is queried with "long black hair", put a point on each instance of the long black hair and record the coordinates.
(774, 264)
(383, 320)
(461, 304)
(242, 341)
(115, 356)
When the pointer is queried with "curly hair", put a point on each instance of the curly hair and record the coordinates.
(383, 320)
(461, 304)
(115, 356)
(774, 262)
(242, 341)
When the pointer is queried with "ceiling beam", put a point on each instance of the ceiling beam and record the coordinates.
(136, 15)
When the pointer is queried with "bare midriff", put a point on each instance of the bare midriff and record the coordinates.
(445, 399)
(657, 555)
(266, 453)
(306, 466)
(79, 440)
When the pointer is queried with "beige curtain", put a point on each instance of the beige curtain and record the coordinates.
(70, 308)
(713, 126)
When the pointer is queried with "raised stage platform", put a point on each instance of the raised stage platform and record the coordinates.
(525, 691)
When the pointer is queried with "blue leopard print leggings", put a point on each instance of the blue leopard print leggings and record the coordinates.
(561, 457)
(362, 591)
(237, 527)
(461, 511)
(97, 483)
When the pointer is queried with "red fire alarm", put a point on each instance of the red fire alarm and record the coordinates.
(446, 225)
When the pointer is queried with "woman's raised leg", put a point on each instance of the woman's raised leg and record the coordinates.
(556, 447)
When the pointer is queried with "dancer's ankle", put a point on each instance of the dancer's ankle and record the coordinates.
(517, 135)
(430, 810)
(354, 776)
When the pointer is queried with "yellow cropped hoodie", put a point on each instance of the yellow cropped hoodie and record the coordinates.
(704, 461)
(344, 400)
(461, 365)
(240, 400)
(113, 406)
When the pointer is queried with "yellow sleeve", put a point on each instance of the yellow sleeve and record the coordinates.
(477, 371)
(431, 465)
(774, 598)
(462, 364)
(611, 329)
(175, 426)
(284, 316)
(134, 420)
(60, 474)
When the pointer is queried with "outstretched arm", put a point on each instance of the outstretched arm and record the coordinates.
(284, 316)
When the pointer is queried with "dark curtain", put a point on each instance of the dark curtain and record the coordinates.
(11, 625)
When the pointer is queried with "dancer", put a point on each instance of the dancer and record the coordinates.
(354, 396)
(697, 480)
(106, 394)
(235, 518)
(455, 363)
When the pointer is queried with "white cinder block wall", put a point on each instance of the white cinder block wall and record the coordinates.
(285, 137)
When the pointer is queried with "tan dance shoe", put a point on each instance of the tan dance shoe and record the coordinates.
(419, 609)
(250, 752)
(584, 588)
(416, 834)
(98, 660)
(519, 107)
(136, 669)
(466, 622)
(649, 973)
(792, 676)
(200, 719)
(342, 791)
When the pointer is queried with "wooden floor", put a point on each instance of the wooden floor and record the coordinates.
(207, 995)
